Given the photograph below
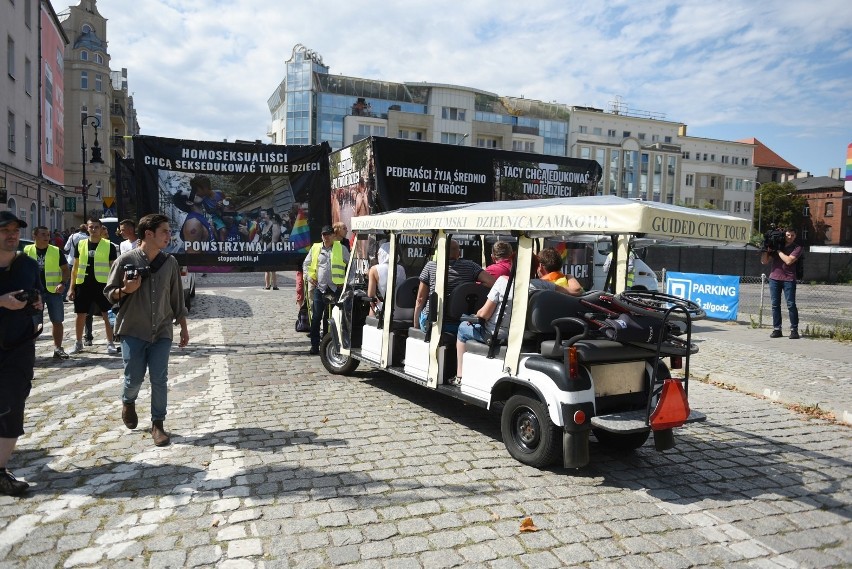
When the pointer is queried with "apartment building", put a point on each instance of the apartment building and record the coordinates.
(828, 214)
(24, 188)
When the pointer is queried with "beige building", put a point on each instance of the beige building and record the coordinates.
(98, 111)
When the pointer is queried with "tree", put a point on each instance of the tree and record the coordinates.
(778, 206)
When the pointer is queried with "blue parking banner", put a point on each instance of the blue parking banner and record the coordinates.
(718, 295)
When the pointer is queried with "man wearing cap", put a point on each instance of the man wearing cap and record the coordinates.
(19, 275)
(325, 267)
(54, 273)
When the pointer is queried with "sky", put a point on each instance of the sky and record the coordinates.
(779, 71)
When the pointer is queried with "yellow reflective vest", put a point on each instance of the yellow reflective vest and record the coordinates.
(101, 260)
(52, 269)
(338, 265)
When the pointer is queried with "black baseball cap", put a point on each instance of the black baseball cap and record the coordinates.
(325, 229)
(7, 217)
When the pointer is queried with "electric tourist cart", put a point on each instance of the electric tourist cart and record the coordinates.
(615, 364)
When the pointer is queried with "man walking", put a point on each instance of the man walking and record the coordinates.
(71, 252)
(54, 273)
(151, 300)
(18, 275)
(92, 264)
(127, 229)
(325, 267)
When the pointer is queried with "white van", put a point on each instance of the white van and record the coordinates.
(616, 365)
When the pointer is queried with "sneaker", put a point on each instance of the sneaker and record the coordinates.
(60, 354)
(275, 288)
(794, 334)
(78, 347)
(10, 485)
(87, 342)
(111, 349)
(776, 334)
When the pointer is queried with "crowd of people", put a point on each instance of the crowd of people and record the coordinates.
(136, 282)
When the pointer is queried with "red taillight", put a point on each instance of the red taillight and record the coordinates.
(579, 417)
(672, 408)
(573, 363)
(677, 362)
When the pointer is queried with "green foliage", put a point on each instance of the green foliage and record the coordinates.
(779, 206)
(839, 331)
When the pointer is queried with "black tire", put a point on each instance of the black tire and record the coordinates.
(621, 441)
(528, 433)
(333, 361)
(652, 303)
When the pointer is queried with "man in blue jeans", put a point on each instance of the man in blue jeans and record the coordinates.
(146, 284)
(325, 267)
(783, 278)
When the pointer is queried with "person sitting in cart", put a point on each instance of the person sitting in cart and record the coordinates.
(488, 314)
(460, 271)
(503, 257)
(549, 269)
(377, 279)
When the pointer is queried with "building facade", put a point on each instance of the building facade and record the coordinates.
(828, 215)
(24, 190)
(643, 156)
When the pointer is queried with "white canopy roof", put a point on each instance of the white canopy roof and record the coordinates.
(606, 215)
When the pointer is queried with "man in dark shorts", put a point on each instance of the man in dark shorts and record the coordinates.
(92, 263)
(18, 274)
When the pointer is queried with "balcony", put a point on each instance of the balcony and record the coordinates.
(518, 129)
(117, 110)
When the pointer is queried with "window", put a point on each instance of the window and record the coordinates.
(28, 16)
(726, 205)
(687, 201)
(87, 29)
(611, 133)
(523, 145)
(745, 161)
(410, 134)
(584, 130)
(597, 131)
(452, 114)
(740, 184)
(100, 115)
(690, 179)
(99, 82)
(625, 134)
(729, 183)
(829, 209)
(686, 155)
(724, 159)
(585, 152)
(738, 206)
(703, 181)
(712, 158)
(487, 142)
(641, 136)
(451, 138)
(84, 110)
(84, 55)
(10, 131)
(28, 76)
(655, 138)
(746, 207)
(10, 56)
(667, 139)
(99, 59)
(712, 181)
(705, 157)
(806, 211)
(735, 160)
(84, 80)
(28, 141)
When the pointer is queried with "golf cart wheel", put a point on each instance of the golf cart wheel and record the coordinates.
(528, 433)
(332, 359)
(621, 441)
(653, 303)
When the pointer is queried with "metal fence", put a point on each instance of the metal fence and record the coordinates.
(820, 305)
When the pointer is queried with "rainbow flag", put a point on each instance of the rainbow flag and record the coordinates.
(300, 236)
(848, 183)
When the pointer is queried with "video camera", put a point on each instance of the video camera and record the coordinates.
(30, 297)
(133, 272)
(773, 240)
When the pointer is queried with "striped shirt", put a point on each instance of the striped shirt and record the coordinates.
(460, 271)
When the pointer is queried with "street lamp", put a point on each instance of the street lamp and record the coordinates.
(95, 122)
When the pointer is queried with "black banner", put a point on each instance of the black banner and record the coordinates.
(234, 206)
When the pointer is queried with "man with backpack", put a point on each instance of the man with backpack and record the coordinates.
(782, 277)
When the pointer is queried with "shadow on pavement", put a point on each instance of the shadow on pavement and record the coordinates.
(258, 439)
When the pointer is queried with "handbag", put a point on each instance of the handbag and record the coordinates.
(303, 323)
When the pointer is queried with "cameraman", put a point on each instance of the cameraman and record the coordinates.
(19, 275)
(783, 277)
(146, 283)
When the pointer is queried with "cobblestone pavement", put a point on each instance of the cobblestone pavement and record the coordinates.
(275, 463)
